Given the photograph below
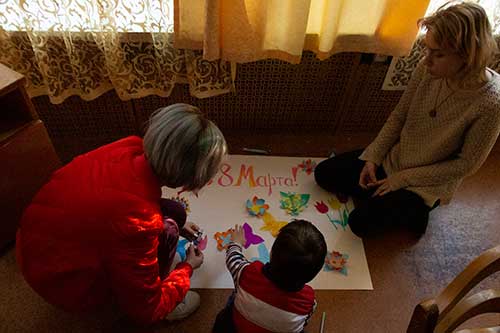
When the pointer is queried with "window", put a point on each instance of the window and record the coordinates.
(87, 15)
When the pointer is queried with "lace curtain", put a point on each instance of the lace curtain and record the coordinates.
(401, 68)
(88, 47)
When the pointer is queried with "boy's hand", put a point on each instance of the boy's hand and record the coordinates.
(238, 235)
(194, 257)
(189, 231)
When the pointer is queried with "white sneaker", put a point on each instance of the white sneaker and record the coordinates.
(188, 305)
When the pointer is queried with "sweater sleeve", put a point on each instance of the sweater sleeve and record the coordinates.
(235, 261)
(391, 131)
(134, 272)
(478, 142)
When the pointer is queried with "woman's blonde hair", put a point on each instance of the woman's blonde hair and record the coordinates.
(464, 28)
(183, 147)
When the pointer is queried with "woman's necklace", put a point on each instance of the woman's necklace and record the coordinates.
(433, 111)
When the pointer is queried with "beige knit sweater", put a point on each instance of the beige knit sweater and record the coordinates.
(430, 156)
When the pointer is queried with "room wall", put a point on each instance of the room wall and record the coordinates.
(340, 95)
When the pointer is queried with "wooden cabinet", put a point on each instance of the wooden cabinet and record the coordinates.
(27, 156)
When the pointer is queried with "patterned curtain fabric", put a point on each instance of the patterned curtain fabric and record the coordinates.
(401, 68)
(249, 30)
(88, 47)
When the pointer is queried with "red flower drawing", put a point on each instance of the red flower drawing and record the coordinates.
(321, 207)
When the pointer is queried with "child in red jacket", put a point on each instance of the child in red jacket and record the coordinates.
(274, 296)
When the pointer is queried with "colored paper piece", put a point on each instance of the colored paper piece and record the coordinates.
(181, 248)
(257, 207)
(263, 254)
(293, 203)
(183, 201)
(223, 239)
(307, 166)
(202, 244)
(271, 225)
(334, 203)
(250, 237)
(336, 262)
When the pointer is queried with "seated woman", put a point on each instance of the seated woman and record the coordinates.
(98, 232)
(442, 130)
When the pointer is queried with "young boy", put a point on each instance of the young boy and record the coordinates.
(273, 297)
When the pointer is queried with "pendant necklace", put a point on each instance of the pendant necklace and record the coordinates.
(433, 111)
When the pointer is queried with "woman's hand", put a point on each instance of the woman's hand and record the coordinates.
(367, 177)
(189, 231)
(382, 187)
(194, 257)
(238, 235)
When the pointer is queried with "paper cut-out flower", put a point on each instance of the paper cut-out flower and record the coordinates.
(250, 237)
(293, 203)
(321, 207)
(271, 225)
(307, 166)
(336, 261)
(223, 239)
(257, 207)
(263, 254)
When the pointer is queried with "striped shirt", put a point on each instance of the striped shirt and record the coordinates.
(260, 305)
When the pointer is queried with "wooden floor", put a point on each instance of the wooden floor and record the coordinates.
(404, 270)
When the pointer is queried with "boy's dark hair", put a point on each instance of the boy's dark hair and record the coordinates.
(297, 255)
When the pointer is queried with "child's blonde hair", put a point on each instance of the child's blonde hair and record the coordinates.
(464, 28)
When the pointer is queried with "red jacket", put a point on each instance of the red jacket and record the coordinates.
(90, 236)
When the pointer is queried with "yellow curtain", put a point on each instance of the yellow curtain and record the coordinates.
(88, 47)
(249, 30)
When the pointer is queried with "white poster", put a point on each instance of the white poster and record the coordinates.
(266, 192)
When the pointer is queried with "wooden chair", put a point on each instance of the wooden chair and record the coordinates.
(450, 309)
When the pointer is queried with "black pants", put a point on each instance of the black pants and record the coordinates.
(401, 208)
(224, 320)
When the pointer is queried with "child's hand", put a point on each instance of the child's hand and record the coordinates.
(238, 235)
(194, 257)
(189, 231)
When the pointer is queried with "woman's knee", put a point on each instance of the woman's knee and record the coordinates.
(326, 174)
(321, 169)
(359, 222)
